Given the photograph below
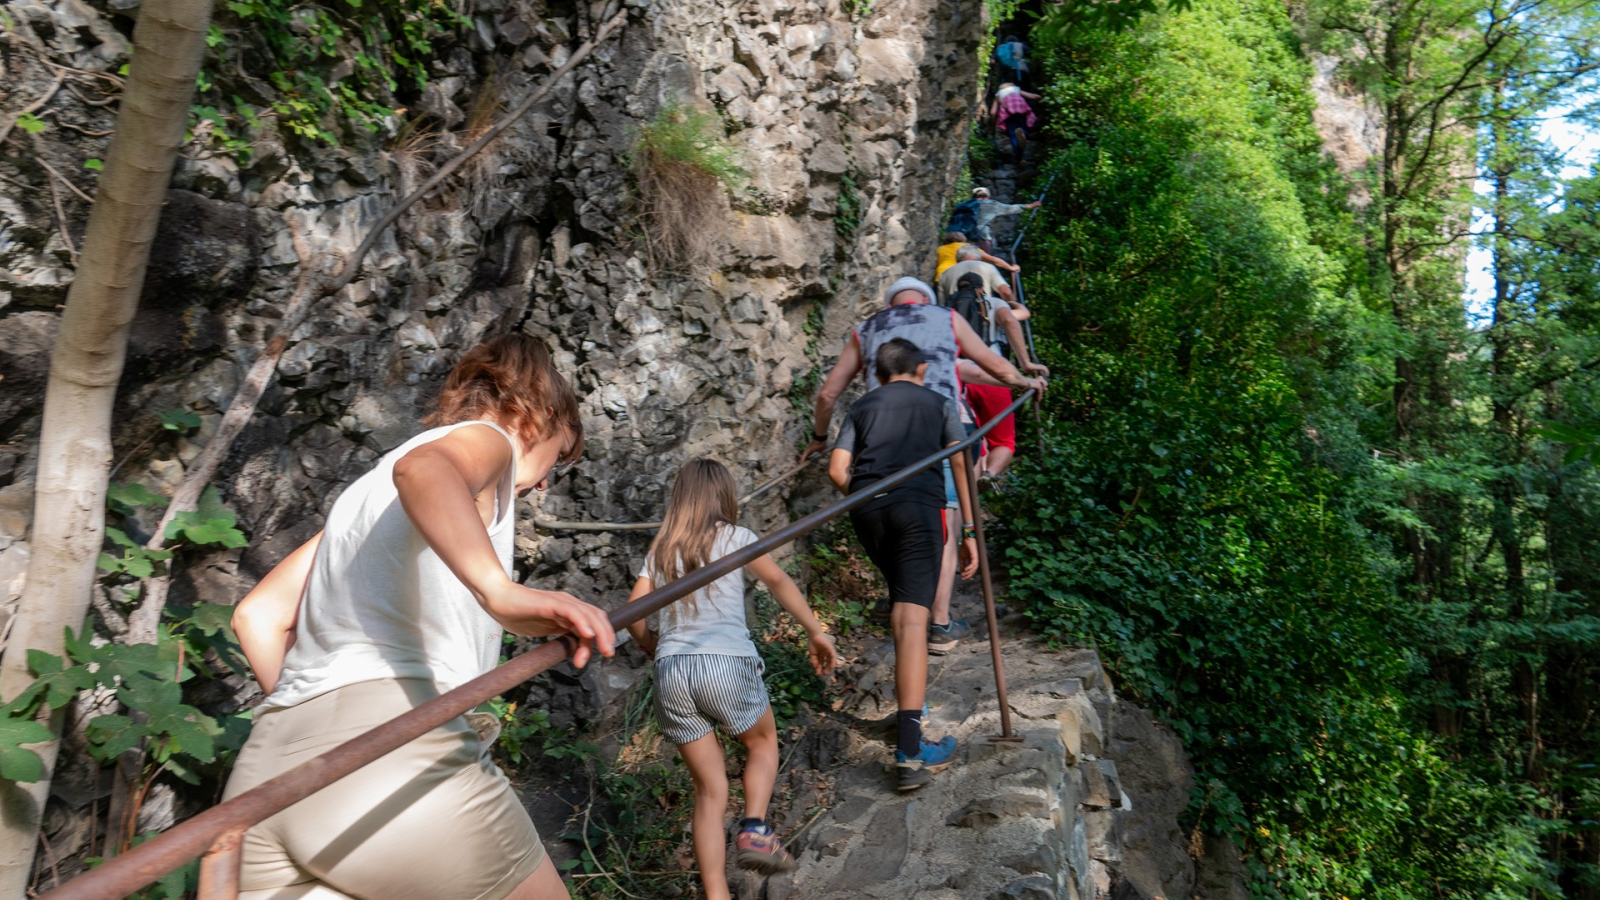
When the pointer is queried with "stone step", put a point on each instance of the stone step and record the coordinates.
(1007, 821)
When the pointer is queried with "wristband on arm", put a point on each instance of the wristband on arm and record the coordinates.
(967, 531)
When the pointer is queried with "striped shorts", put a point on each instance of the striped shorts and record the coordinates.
(696, 692)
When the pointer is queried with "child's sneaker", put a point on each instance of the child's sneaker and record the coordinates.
(760, 851)
(916, 771)
(944, 638)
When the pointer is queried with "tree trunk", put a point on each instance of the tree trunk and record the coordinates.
(75, 441)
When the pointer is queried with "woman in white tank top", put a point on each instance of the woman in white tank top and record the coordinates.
(405, 595)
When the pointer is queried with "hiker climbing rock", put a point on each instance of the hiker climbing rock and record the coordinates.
(708, 671)
(893, 426)
(979, 213)
(976, 293)
(970, 261)
(403, 596)
(951, 242)
(1011, 59)
(912, 313)
(1013, 116)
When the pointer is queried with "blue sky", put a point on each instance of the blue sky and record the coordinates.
(1579, 143)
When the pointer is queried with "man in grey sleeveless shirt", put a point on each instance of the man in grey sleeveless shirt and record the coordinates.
(912, 312)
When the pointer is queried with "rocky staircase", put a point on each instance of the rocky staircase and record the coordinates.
(1050, 817)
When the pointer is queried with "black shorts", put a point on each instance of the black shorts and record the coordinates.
(905, 541)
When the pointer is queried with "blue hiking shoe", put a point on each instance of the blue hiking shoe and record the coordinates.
(944, 638)
(915, 771)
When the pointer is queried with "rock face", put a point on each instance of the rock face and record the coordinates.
(851, 128)
(851, 131)
(1350, 123)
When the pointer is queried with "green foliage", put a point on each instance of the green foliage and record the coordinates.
(125, 498)
(847, 217)
(175, 737)
(805, 385)
(681, 164)
(1207, 510)
(18, 763)
(335, 68)
(135, 560)
(180, 420)
(683, 135)
(210, 522)
(1581, 443)
(146, 678)
(844, 586)
(1074, 17)
(31, 123)
(631, 830)
(525, 734)
(983, 155)
(792, 684)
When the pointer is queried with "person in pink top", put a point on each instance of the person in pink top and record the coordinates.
(1013, 115)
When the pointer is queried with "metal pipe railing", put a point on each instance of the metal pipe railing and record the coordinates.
(216, 834)
(1011, 257)
(990, 613)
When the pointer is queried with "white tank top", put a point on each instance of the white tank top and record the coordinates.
(380, 603)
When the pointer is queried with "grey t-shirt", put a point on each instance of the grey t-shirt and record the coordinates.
(716, 624)
(931, 328)
(988, 211)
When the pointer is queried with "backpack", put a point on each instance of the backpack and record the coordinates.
(1011, 54)
(971, 304)
(964, 218)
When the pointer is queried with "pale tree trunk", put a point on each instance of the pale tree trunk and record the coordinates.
(75, 441)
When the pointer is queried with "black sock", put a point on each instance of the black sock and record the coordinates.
(756, 824)
(909, 724)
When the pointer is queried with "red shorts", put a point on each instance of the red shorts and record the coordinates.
(987, 402)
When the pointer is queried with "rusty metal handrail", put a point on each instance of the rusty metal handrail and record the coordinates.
(216, 834)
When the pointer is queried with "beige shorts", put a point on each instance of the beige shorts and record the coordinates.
(434, 819)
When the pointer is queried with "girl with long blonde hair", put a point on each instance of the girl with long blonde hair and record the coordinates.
(708, 672)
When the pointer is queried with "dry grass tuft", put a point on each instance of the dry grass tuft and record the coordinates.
(483, 179)
(681, 166)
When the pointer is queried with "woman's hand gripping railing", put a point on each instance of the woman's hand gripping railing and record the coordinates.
(217, 834)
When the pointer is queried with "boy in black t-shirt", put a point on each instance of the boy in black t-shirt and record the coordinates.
(902, 529)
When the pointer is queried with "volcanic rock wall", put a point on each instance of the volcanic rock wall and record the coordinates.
(535, 234)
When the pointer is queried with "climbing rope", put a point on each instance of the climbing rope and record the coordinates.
(561, 525)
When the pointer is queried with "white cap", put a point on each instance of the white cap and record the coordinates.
(908, 284)
(980, 192)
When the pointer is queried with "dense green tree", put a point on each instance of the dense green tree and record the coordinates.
(1282, 493)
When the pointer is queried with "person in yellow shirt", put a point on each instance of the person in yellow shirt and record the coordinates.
(951, 241)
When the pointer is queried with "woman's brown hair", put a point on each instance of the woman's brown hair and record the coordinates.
(512, 380)
(703, 498)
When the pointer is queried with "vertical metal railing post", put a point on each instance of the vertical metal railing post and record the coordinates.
(219, 867)
(989, 610)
